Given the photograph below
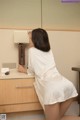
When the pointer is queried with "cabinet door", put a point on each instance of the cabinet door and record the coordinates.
(17, 91)
(20, 14)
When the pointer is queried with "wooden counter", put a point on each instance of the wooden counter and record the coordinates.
(17, 93)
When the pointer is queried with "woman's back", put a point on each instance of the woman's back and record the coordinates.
(41, 61)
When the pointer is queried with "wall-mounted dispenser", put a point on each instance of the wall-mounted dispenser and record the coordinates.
(21, 38)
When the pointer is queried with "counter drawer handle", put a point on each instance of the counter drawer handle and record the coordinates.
(23, 86)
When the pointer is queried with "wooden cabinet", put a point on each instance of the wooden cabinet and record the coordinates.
(78, 70)
(18, 95)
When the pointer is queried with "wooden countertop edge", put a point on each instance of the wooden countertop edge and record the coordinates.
(16, 78)
(76, 69)
(48, 29)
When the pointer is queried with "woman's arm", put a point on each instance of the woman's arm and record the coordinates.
(22, 69)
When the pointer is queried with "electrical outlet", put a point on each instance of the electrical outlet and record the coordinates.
(2, 116)
(9, 65)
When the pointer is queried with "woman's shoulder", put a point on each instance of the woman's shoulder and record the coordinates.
(34, 50)
(31, 51)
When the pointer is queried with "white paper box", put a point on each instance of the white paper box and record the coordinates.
(21, 36)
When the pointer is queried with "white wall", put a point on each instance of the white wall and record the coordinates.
(8, 49)
(66, 47)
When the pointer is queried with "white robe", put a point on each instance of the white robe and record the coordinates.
(51, 87)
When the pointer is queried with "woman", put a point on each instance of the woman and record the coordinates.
(54, 91)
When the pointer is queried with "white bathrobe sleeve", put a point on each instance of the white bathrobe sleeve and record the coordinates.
(30, 67)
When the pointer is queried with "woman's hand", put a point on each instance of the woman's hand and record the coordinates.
(21, 69)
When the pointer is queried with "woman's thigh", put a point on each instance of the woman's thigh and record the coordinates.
(64, 106)
(52, 112)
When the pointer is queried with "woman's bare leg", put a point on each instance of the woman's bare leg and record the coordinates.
(52, 112)
(56, 111)
(65, 105)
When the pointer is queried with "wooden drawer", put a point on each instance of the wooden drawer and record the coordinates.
(20, 107)
(17, 91)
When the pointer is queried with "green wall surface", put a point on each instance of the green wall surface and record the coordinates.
(27, 14)
(20, 13)
(58, 15)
